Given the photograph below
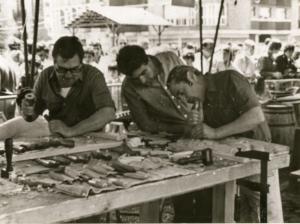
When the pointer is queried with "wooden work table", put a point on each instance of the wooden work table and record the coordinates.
(47, 207)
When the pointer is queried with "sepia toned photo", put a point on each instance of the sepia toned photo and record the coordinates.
(149, 111)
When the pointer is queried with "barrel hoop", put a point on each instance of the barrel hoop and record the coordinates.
(282, 125)
(279, 112)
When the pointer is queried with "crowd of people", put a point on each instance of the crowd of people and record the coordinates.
(160, 89)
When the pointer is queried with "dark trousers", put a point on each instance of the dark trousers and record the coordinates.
(194, 207)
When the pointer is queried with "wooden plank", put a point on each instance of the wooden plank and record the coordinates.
(223, 202)
(149, 212)
(63, 151)
(218, 207)
(230, 190)
(72, 209)
(8, 187)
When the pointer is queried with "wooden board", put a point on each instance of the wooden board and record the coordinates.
(7, 187)
(63, 151)
(46, 209)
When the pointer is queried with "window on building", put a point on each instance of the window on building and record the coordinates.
(211, 12)
(264, 12)
(253, 11)
(280, 13)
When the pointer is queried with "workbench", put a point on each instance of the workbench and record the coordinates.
(47, 207)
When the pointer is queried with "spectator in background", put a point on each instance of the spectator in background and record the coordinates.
(145, 43)
(207, 48)
(285, 62)
(97, 48)
(245, 63)
(43, 54)
(188, 55)
(296, 58)
(226, 61)
(267, 65)
(113, 74)
(89, 56)
(121, 42)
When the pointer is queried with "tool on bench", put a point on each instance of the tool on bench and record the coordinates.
(49, 143)
(261, 187)
(100, 154)
(8, 147)
(204, 156)
(48, 163)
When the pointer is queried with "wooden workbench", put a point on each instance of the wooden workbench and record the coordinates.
(46, 207)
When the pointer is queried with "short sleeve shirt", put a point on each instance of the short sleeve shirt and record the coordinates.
(228, 96)
(89, 94)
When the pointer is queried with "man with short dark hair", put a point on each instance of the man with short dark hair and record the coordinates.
(285, 62)
(230, 107)
(75, 94)
(152, 107)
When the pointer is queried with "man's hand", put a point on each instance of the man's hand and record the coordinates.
(197, 131)
(194, 117)
(57, 126)
(209, 133)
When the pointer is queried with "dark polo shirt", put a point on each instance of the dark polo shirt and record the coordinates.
(283, 63)
(85, 97)
(228, 96)
(153, 108)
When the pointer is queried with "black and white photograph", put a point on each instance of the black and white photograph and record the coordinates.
(149, 111)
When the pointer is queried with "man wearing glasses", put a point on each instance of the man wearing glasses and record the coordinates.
(75, 94)
(152, 107)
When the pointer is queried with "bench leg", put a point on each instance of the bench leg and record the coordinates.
(149, 212)
(223, 202)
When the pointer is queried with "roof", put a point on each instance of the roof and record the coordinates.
(120, 15)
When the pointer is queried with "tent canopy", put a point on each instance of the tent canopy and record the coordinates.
(117, 15)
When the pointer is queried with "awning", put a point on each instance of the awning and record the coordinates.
(119, 15)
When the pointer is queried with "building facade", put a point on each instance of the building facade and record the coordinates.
(255, 19)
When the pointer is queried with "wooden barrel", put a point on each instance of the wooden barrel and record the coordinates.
(281, 120)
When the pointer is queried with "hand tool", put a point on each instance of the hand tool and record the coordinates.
(204, 156)
(49, 143)
(98, 183)
(61, 177)
(137, 175)
(100, 154)
(122, 168)
(61, 160)
(47, 163)
(73, 158)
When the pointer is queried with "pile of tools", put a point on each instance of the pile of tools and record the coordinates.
(99, 170)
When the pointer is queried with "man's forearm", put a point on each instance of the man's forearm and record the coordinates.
(95, 122)
(246, 122)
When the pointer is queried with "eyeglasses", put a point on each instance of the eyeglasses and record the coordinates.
(63, 70)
